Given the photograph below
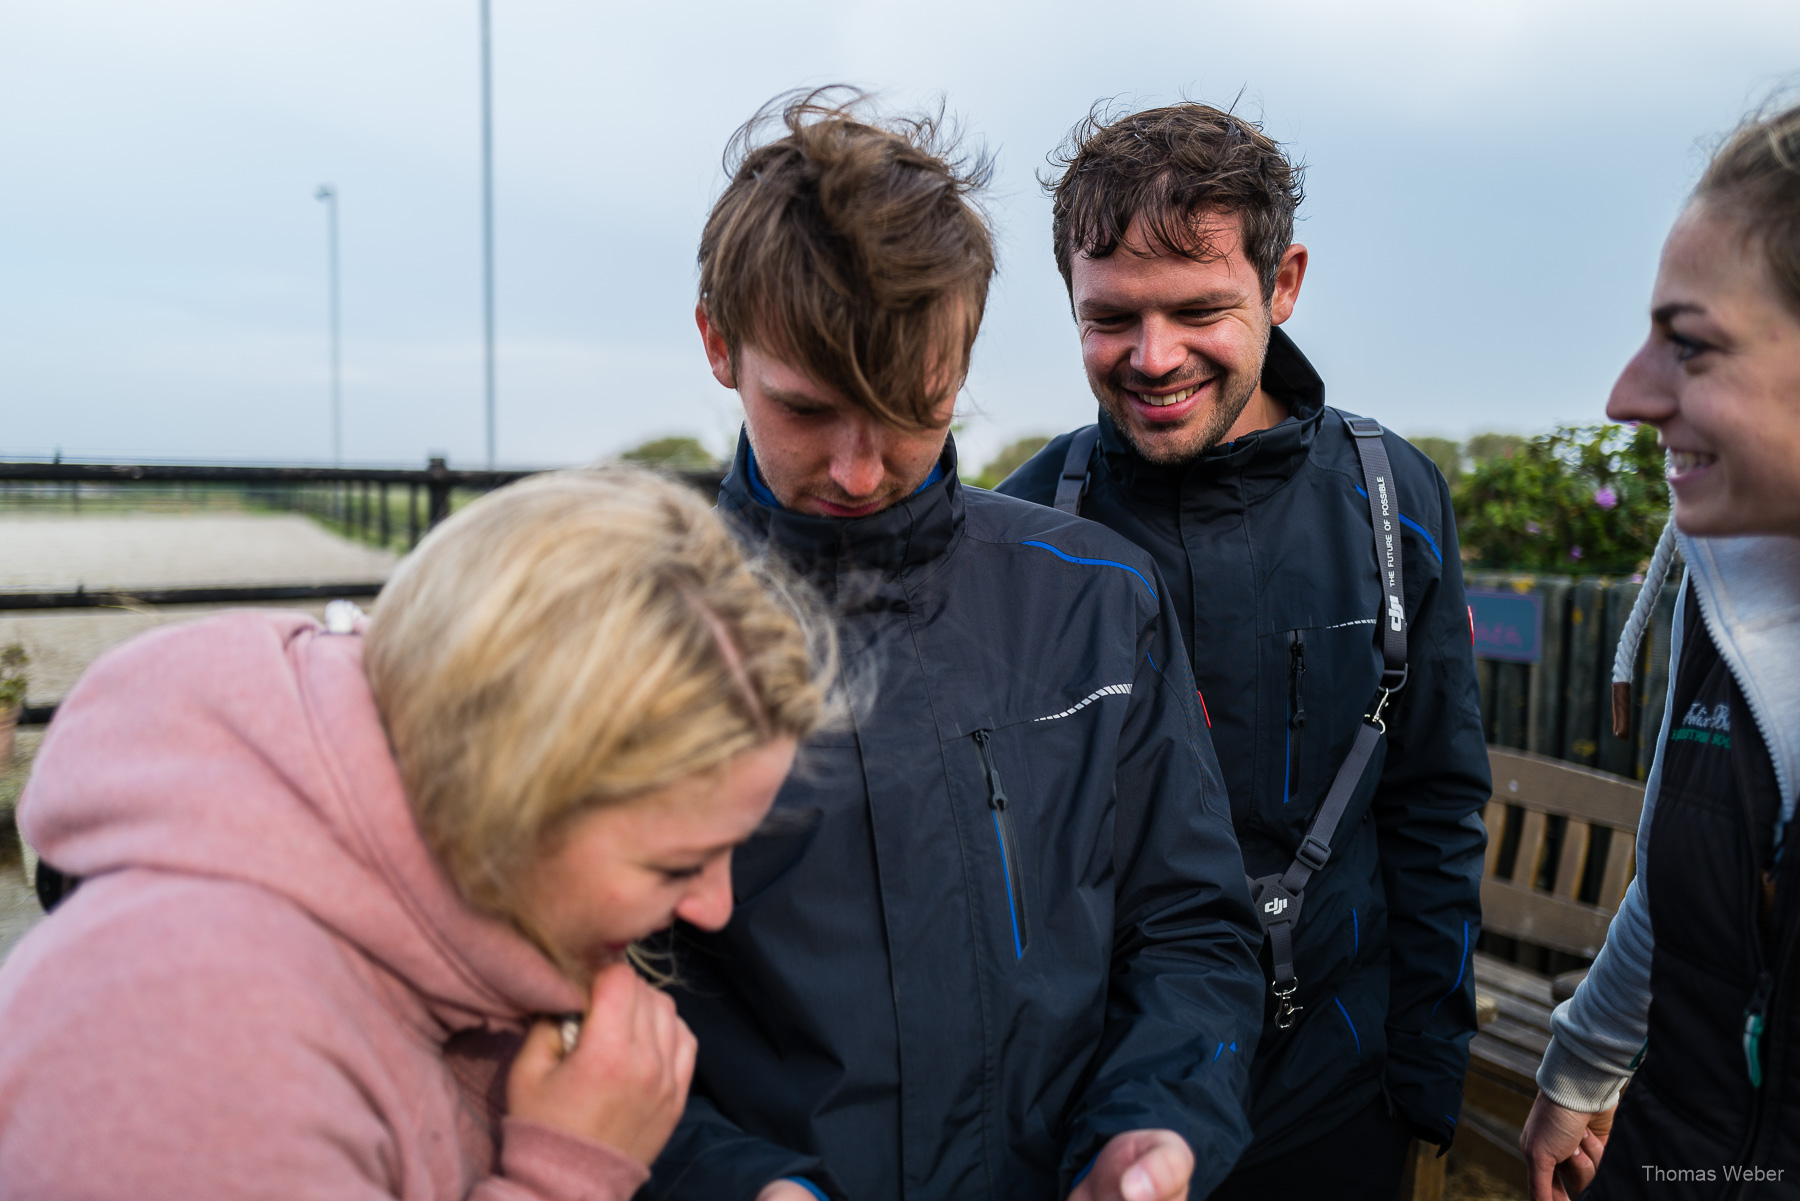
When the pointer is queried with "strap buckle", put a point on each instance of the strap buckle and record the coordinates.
(1313, 853)
(1285, 1009)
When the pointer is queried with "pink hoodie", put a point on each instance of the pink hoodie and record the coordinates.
(265, 986)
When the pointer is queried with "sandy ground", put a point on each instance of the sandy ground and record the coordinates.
(56, 552)
(151, 550)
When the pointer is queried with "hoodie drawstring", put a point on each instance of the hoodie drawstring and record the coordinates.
(1631, 638)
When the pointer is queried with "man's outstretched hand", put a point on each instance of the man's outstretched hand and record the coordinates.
(1139, 1165)
(1562, 1148)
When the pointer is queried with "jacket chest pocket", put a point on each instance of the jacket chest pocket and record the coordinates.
(1038, 800)
(1319, 680)
(1007, 836)
(1293, 761)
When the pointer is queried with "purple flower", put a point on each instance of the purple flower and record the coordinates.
(1606, 498)
(1532, 527)
(1574, 552)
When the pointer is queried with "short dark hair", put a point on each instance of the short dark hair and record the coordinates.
(1170, 166)
(852, 247)
(1754, 179)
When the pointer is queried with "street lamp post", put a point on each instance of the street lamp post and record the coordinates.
(487, 220)
(327, 194)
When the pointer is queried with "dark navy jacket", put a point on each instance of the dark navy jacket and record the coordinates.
(1270, 561)
(922, 994)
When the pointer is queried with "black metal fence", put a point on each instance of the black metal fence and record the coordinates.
(361, 500)
(388, 507)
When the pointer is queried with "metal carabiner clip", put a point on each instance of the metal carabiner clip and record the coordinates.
(1285, 1009)
(1374, 718)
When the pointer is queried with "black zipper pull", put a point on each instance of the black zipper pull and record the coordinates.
(1297, 676)
(996, 794)
(1753, 1026)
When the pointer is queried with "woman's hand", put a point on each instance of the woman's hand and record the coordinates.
(1139, 1165)
(1562, 1148)
(626, 1081)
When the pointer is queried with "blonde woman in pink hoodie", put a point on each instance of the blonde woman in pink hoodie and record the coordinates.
(338, 888)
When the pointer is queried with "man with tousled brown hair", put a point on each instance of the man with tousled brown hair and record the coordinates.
(1312, 564)
(995, 940)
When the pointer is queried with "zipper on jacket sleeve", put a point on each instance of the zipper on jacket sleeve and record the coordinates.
(1003, 829)
(1296, 712)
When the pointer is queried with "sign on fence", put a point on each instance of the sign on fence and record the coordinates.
(1508, 625)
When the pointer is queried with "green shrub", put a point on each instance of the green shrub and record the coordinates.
(1011, 457)
(673, 454)
(1483, 447)
(13, 680)
(1581, 499)
(1448, 455)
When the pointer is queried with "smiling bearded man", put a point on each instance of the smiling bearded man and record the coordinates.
(1313, 563)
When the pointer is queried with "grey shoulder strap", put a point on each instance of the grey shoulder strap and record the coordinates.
(1277, 898)
(1075, 470)
(1384, 515)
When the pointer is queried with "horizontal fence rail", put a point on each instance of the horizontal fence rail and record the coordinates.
(437, 471)
(81, 598)
(357, 500)
(390, 507)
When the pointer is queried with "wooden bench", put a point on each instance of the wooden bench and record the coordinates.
(1561, 851)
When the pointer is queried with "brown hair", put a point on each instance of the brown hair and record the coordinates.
(1754, 179)
(1170, 166)
(574, 641)
(852, 248)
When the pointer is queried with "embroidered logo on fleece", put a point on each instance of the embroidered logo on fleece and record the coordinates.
(1706, 725)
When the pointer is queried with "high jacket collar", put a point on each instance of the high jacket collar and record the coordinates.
(920, 529)
(1269, 456)
(1749, 590)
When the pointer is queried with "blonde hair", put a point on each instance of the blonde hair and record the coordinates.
(1754, 177)
(573, 641)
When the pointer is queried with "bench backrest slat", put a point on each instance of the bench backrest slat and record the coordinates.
(1621, 865)
(1587, 820)
(1494, 818)
(1577, 842)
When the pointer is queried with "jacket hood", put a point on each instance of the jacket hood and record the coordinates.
(1270, 456)
(834, 552)
(247, 747)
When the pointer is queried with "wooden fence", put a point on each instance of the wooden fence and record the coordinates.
(1561, 705)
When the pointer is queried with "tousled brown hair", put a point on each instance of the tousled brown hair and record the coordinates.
(1171, 166)
(851, 247)
(1754, 179)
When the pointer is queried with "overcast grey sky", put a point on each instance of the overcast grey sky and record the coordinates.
(1488, 187)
